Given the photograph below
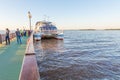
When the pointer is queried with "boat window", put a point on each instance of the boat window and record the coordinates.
(48, 27)
(54, 28)
(44, 28)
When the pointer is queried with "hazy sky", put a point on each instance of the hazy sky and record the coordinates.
(66, 14)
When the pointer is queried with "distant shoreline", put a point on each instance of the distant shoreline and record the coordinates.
(90, 29)
(111, 29)
(3, 31)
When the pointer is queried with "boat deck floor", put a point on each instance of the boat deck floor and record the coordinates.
(11, 57)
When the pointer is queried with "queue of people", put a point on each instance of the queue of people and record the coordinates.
(19, 35)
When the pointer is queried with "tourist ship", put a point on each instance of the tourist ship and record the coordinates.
(46, 30)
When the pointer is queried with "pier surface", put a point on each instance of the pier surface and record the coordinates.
(11, 57)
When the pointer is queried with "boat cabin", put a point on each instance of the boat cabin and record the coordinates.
(48, 27)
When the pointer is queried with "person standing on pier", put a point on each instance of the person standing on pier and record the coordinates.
(24, 32)
(7, 37)
(18, 36)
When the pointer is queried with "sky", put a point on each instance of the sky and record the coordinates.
(65, 14)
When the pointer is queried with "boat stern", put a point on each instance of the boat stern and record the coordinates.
(37, 36)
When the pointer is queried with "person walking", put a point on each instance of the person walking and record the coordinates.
(24, 32)
(7, 37)
(18, 36)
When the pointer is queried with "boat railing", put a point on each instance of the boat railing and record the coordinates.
(52, 31)
(59, 31)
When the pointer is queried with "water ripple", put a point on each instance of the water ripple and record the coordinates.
(89, 55)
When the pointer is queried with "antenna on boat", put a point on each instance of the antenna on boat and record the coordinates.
(46, 18)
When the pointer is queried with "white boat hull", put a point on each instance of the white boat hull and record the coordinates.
(39, 36)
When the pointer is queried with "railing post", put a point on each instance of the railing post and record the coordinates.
(0, 39)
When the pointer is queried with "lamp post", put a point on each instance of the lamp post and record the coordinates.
(29, 16)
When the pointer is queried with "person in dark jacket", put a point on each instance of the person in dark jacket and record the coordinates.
(7, 37)
(18, 36)
(24, 32)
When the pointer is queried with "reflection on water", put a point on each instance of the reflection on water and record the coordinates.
(89, 55)
(52, 44)
(48, 47)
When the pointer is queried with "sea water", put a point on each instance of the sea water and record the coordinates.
(82, 55)
(3, 31)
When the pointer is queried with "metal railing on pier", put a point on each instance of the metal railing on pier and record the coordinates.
(2, 37)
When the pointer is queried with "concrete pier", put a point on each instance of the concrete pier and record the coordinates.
(18, 61)
(11, 57)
